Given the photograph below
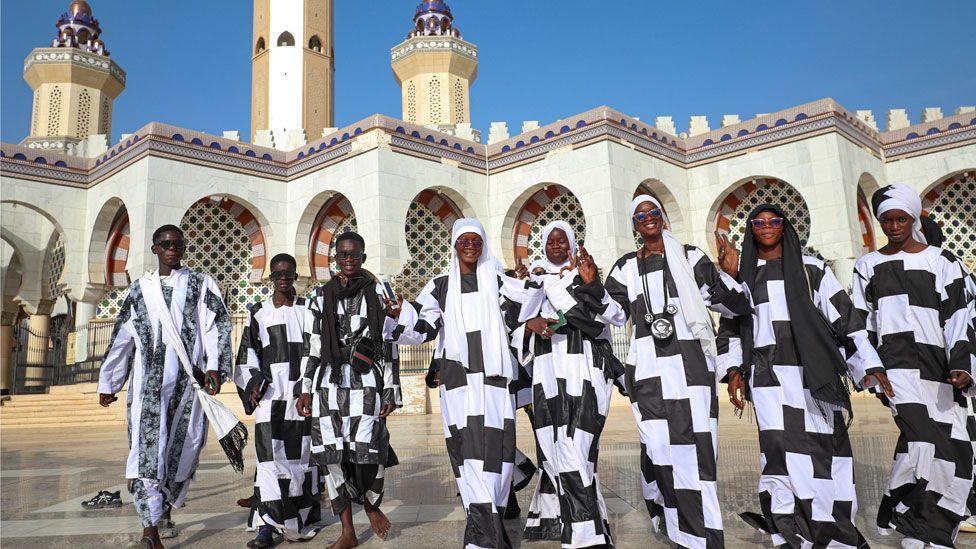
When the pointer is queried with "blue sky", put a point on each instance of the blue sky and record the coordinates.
(188, 61)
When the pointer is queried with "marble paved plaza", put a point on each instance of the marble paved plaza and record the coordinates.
(46, 473)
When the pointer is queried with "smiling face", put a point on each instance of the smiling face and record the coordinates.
(350, 257)
(283, 276)
(647, 224)
(557, 246)
(169, 248)
(897, 225)
(767, 233)
(468, 248)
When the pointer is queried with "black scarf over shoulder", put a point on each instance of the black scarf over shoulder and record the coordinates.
(824, 369)
(332, 292)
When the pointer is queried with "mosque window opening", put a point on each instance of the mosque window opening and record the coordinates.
(954, 209)
(105, 118)
(435, 99)
(84, 114)
(37, 111)
(218, 244)
(315, 44)
(458, 102)
(55, 269)
(260, 46)
(776, 192)
(411, 102)
(286, 39)
(429, 244)
(564, 207)
(54, 111)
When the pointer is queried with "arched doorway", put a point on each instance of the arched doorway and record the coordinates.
(952, 204)
(735, 207)
(428, 230)
(550, 203)
(334, 218)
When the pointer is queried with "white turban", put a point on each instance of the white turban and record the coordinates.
(544, 262)
(902, 197)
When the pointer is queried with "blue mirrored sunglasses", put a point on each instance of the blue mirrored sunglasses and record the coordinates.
(641, 216)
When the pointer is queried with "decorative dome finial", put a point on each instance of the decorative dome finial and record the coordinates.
(433, 18)
(78, 28)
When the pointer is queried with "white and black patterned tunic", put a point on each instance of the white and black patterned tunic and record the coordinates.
(167, 427)
(919, 314)
(573, 374)
(672, 389)
(806, 486)
(347, 430)
(270, 358)
(478, 411)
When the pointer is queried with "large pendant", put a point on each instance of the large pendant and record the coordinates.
(662, 328)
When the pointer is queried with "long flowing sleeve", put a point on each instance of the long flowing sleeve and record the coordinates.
(616, 298)
(115, 364)
(956, 313)
(392, 393)
(847, 321)
(312, 342)
(862, 297)
(247, 373)
(728, 343)
(722, 293)
(420, 320)
(215, 327)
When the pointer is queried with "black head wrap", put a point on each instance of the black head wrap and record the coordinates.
(824, 369)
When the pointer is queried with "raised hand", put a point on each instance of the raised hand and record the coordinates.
(393, 307)
(587, 267)
(728, 255)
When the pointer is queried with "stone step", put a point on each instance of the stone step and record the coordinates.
(63, 413)
(56, 420)
(60, 408)
(119, 424)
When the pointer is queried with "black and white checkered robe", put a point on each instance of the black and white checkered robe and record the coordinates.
(672, 389)
(286, 488)
(478, 411)
(919, 314)
(572, 382)
(349, 438)
(806, 486)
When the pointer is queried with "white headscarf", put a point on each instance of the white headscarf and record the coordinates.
(487, 317)
(544, 262)
(692, 305)
(902, 197)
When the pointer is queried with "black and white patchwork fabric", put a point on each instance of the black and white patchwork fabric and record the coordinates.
(806, 485)
(672, 389)
(573, 374)
(478, 411)
(167, 426)
(919, 315)
(270, 360)
(350, 440)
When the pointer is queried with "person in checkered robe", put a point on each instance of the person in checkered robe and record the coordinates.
(573, 372)
(349, 403)
(671, 381)
(919, 316)
(786, 353)
(471, 312)
(268, 377)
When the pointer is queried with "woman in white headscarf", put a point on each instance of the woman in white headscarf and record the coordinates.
(919, 315)
(573, 372)
(666, 289)
(471, 310)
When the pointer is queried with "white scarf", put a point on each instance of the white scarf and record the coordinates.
(544, 262)
(693, 307)
(221, 418)
(487, 317)
(901, 197)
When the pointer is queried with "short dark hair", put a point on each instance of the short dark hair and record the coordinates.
(349, 235)
(286, 258)
(166, 229)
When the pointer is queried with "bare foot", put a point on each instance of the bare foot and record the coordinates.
(345, 541)
(378, 521)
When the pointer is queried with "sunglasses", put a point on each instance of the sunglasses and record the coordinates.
(774, 222)
(178, 244)
(641, 216)
(474, 244)
(288, 274)
(355, 256)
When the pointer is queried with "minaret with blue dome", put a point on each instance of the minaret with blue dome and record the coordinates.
(435, 68)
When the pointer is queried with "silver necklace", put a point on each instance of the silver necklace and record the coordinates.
(660, 323)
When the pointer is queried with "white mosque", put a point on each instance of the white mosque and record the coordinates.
(78, 210)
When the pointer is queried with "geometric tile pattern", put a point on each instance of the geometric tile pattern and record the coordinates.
(55, 269)
(428, 229)
(220, 245)
(737, 205)
(552, 203)
(952, 203)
